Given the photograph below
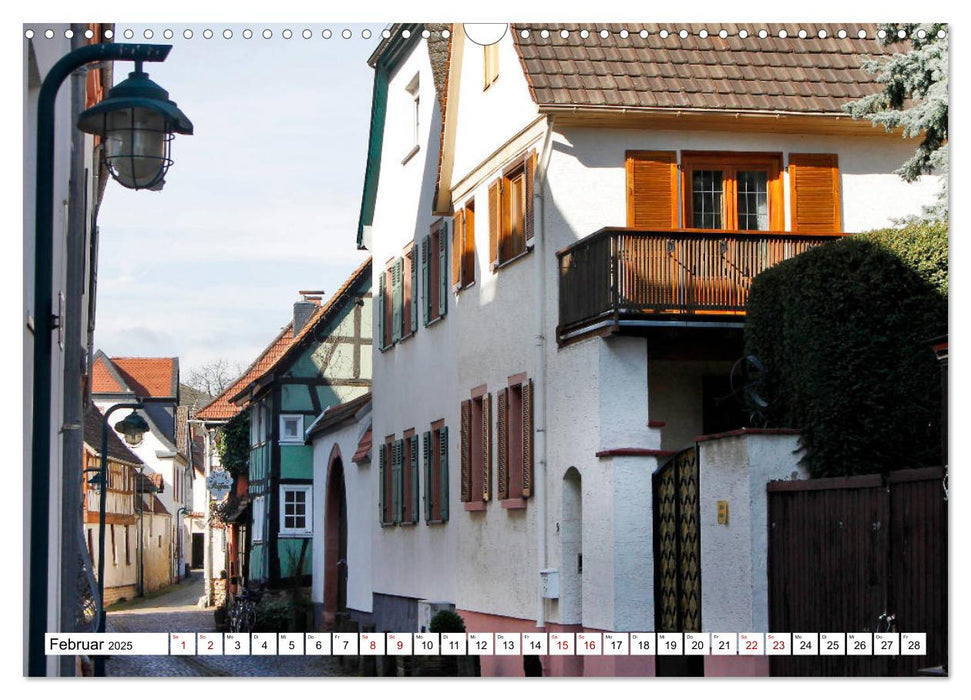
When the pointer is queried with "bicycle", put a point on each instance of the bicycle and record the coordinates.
(242, 616)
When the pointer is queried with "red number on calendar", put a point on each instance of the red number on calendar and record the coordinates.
(374, 645)
(183, 644)
(751, 644)
(778, 644)
(563, 644)
(401, 645)
(210, 645)
(590, 644)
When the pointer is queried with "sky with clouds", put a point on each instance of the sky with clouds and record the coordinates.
(262, 201)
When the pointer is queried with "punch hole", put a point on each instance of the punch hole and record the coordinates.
(267, 34)
(584, 33)
(49, 34)
(881, 34)
(941, 34)
(187, 33)
(663, 33)
(683, 34)
(803, 33)
(564, 34)
(861, 34)
(703, 34)
(207, 34)
(168, 34)
(723, 34)
(921, 34)
(488, 34)
(742, 34)
(227, 34)
(901, 34)
(306, 34)
(68, 33)
(386, 34)
(763, 34)
(286, 34)
(445, 34)
(327, 34)
(366, 33)
(247, 33)
(822, 34)
(406, 33)
(604, 33)
(347, 33)
(149, 33)
(545, 33)
(424, 34)
(841, 34)
(129, 34)
(29, 33)
(783, 33)
(88, 34)
(643, 34)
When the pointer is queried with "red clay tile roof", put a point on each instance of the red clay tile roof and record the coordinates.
(335, 415)
(222, 408)
(102, 381)
(152, 377)
(811, 76)
(363, 453)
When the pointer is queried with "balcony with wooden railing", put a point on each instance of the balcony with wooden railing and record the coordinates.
(621, 278)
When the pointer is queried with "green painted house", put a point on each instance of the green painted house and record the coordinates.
(320, 359)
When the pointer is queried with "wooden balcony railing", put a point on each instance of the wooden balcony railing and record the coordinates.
(628, 274)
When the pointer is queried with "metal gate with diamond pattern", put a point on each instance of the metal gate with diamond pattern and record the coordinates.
(677, 556)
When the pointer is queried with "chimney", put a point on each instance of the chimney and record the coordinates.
(304, 309)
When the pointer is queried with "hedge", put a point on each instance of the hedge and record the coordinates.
(843, 331)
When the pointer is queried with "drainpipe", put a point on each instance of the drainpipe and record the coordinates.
(539, 407)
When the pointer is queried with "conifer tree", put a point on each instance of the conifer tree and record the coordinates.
(914, 98)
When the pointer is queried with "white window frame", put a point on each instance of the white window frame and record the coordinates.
(307, 490)
(414, 96)
(284, 439)
(259, 512)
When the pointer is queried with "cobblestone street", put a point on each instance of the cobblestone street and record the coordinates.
(176, 610)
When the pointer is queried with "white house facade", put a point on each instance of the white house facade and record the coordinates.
(604, 203)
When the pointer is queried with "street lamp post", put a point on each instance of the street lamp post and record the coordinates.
(132, 427)
(139, 147)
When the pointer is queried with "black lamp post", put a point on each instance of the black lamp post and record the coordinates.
(133, 427)
(132, 124)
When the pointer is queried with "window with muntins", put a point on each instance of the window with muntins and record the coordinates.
(463, 246)
(511, 211)
(295, 510)
(291, 429)
(732, 191)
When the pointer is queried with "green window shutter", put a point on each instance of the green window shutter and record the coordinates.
(382, 490)
(396, 481)
(424, 280)
(443, 465)
(397, 296)
(379, 311)
(426, 439)
(414, 478)
(414, 292)
(443, 270)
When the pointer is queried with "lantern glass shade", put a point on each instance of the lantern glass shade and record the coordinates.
(137, 146)
(132, 427)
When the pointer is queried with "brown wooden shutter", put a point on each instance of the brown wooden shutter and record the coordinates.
(502, 462)
(458, 240)
(527, 438)
(652, 189)
(465, 451)
(495, 221)
(468, 252)
(528, 213)
(814, 192)
(486, 446)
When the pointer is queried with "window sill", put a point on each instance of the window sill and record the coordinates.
(291, 441)
(514, 504)
(408, 524)
(475, 506)
(295, 535)
(462, 287)
(433, 321)
(435, 522)
(505, 263)
(411, 153)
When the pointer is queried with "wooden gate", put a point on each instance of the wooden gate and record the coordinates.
(677, 557)
(844, 551)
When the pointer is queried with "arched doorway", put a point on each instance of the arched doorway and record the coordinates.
(335, 540)
(571, 543)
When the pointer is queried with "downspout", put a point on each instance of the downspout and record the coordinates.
(539, 408)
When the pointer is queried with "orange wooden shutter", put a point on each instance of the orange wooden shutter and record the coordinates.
(465, 451)
(495, 214)
(468, 254)
(814, 191)
(652, 189)
(528, 214)
(458, 238)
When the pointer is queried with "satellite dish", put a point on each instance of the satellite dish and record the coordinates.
(747, 381)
